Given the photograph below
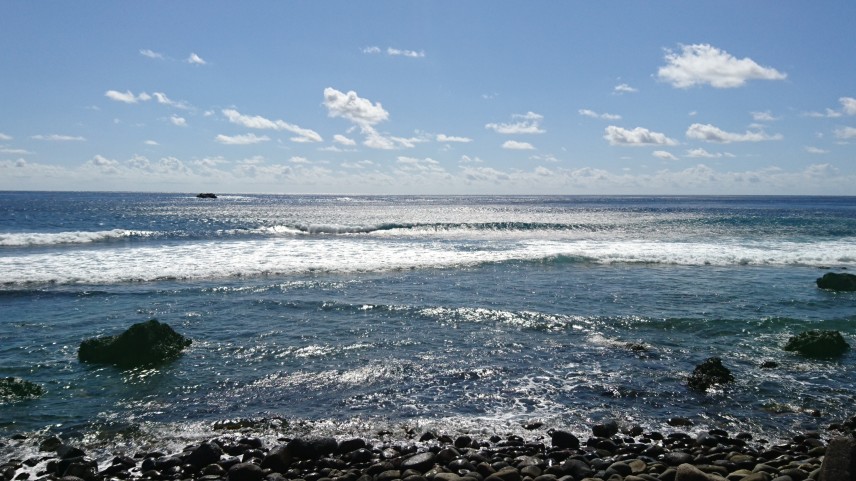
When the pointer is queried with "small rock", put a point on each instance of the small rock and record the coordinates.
(839, 463)
(605, 430)
(818, 343)
(564, 439)
(688, 472)
(709, 373)
(837, 282)
(245, 472)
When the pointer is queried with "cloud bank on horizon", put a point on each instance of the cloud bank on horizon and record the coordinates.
(583, 100)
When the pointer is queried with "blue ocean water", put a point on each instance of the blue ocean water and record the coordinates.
(351, 315)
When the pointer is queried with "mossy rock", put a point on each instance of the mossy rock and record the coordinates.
(13, 388)
(143, 344)
(709, 373)
(818, 343)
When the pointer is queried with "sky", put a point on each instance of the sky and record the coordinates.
(440, 97)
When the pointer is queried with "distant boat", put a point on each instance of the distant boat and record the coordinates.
(206, 195)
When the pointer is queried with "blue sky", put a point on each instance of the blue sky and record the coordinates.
(445, 97)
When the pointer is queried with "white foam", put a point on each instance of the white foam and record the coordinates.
(57, 238)
(288, 255)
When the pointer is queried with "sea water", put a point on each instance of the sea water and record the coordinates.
(354, 315)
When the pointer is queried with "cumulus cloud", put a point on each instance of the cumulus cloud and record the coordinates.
(662, 154)
(150, 54)
(701, 64)
(5, 137)
(846, 133)
(259, 122)
(127, 96)
(352, 107)
(151, 142)
(637, 137)
(528, 123)
(58, 138)
(179, 121)
(710, 133)
(164, 100)
(848, 105)
(195, 59)
(246, 139)
(515, 145)
(372, 50)
(595, 115)
(624, 89)
(448, 138)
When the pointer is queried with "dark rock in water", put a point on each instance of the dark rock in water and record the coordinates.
(839, 463)
(564, 439)
(15, 388)
(709, 373)
(350, 445)
(605, 430)
(143, 344)
(769, 365)
(818, 343)
(206, 195)
(677, 422)
(837, 282)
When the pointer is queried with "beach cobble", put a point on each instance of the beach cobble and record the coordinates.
(606, 455)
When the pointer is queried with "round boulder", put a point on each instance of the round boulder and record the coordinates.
(837, 282)
(143, 344)
(15, 388)
(818, 343)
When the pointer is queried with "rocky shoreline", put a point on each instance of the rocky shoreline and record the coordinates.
(609, 453)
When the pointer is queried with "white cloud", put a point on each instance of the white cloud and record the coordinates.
(624, 89)
(466, 159)
(164, 100)
(127, 96)
(58, 138)
(704, 64)
(448, 138)
(515, 145)
(846, 133)
(179, 121)
(662, 154)
(246, 139)
(413, 165)
(408, 142)
(362, 164)
(151, 142)
(637, 137)
(829, 113)
(404, 53)
(595, 115)
(710, 133)
(5, 137)
(701, 153)
(394, 52)
(848, 105)
(195, 59)
(528, 123)
(763, 116)
(5, 150)
(150, 54)
(259, 122)
(103, 165)
(816, 150)
(352, 107)
(341, 139)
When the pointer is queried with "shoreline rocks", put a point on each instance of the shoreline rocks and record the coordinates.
(206, 195)
(143, 344)
(626, 455)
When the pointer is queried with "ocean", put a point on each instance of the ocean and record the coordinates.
(356, 315)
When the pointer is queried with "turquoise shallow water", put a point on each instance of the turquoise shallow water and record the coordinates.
(469, 313)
